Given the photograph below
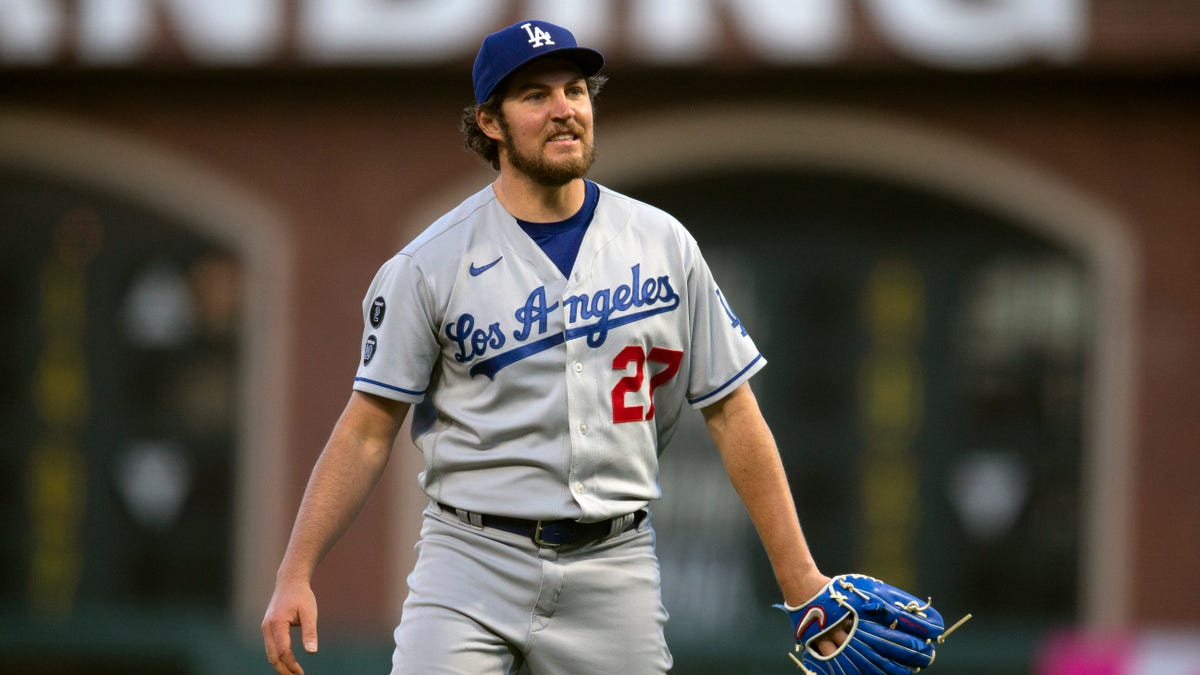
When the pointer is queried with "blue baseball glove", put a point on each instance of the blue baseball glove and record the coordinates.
(891, 631)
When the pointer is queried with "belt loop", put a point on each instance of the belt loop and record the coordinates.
(618, 525)
(472, 519)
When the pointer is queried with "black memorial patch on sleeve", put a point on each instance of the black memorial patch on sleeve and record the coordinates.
(378, 307)
(369, 349)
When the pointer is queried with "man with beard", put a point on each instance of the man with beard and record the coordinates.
(547, 333)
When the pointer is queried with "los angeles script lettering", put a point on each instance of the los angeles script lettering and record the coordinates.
(604, 307)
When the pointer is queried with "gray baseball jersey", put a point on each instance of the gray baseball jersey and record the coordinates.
(542, 396)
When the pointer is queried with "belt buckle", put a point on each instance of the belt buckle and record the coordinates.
(537, 538)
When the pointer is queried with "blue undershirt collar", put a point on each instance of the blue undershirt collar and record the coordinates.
(561, 240)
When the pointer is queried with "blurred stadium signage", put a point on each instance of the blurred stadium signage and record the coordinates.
(955, 34)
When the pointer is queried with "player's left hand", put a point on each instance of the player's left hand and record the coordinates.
(830, 640)
(858, 624)
(827, 643)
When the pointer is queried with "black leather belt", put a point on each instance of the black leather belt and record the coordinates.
(555, 533)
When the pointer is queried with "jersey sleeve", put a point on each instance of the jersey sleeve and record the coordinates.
(399, 341)
(723, 354)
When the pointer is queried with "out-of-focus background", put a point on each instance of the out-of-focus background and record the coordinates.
(965, 233)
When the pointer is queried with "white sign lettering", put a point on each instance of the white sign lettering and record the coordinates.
(414, 31)
(962, 34)
(959, 34)
(684, 31)
(122, 31)
(593, 23)
(30, 30)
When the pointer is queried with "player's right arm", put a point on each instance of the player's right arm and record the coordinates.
(342, 479)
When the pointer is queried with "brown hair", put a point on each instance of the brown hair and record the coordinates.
(479, 143)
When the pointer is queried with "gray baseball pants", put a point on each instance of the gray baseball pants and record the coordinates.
(483, 601)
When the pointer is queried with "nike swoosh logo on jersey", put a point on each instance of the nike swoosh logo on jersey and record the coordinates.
(476, 271)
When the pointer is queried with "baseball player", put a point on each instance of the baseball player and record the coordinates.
(547, 334)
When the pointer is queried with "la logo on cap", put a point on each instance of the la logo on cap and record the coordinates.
(537, 36)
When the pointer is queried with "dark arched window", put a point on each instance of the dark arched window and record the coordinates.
(927, 372)
(119, 354)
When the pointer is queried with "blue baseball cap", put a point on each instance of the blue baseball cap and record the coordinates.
(506, 50)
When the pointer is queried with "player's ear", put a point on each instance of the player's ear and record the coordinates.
(489, 122)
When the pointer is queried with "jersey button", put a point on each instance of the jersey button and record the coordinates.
(579, 488)
(578, 367)
(583, 428)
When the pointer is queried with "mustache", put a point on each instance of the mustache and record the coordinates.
(573, 129)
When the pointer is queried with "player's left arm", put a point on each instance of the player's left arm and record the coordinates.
(756, 471)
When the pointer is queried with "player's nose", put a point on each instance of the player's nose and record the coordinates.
(561, 107)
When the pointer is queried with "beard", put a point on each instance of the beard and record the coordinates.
(542, 170)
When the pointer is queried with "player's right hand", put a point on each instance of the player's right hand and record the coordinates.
(293, 604)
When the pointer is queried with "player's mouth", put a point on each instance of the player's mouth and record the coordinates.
(562, 140)
(567, 137)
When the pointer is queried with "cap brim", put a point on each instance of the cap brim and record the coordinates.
(589, 61)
